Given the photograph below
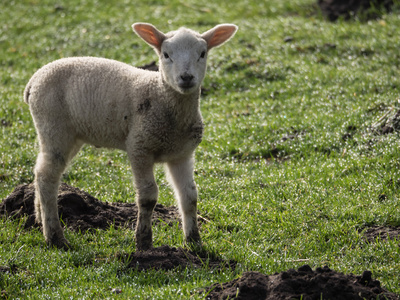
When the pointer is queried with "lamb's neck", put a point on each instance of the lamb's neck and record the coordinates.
(186, 104)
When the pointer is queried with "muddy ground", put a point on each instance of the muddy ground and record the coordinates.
(82, 212)
(346, 9)
(303, 283)
(371, 234)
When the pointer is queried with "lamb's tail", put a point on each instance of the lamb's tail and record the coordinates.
(27, 93)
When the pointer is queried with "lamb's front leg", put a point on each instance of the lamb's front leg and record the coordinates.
(181, 177)
(147, 193)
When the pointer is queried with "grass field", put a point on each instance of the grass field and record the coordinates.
(289, 171)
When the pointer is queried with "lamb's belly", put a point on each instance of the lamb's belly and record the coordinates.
(98, 143)
(175, 152)
(101, 137)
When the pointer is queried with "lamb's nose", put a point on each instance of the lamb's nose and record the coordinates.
(187, 78)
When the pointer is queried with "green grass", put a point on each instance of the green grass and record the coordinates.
(273, 203)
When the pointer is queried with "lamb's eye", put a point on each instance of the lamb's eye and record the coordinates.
(166, 55)
(203, 54)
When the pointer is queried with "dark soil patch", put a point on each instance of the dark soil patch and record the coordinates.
(334, 9)
(303, 283)
(4, 270)
(382, 232)
(79, 210)
(168, 258)
(277, 153)
(8, 270)
(5, 123)
(388, 123)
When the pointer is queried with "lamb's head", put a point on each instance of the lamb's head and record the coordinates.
(183, 53)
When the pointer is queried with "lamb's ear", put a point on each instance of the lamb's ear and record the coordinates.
(219, 34)
(149, 34)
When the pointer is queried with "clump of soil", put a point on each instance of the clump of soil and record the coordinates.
(334, 9)
(381, 232)
(168, 258)
(388, 123)
(303, 283)
(79, 210)
(5, 123)
(4, 270)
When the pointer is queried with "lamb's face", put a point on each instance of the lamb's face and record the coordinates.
(183, 59)
(183, 53)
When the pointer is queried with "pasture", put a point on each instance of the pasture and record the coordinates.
(300, 157)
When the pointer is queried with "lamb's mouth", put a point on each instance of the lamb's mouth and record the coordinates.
(186, 88)
(186, 85)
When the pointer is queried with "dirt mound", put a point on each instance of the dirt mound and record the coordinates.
(79, 210)
(168, 258)
(334, 9)
(381, 232)
(303, 284)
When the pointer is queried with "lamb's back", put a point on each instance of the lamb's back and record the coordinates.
(99, 96)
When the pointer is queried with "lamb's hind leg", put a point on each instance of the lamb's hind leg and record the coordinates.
(181, 177)
(50, 165)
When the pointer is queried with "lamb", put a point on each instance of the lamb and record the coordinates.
(153, 116)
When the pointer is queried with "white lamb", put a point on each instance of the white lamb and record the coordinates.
(154, 116)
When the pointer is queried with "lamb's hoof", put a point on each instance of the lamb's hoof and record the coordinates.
(144, 246)
(194, 241)
(60, 244)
